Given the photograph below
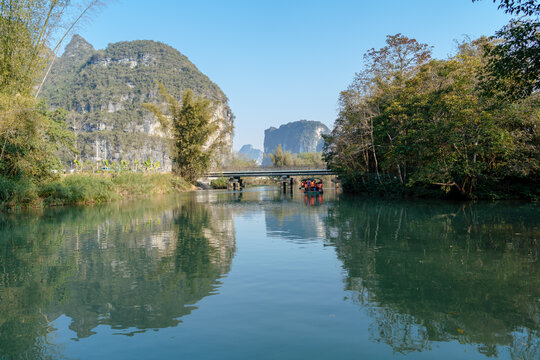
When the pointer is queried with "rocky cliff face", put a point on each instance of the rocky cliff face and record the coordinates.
(103, 91)
(296, 137)
(251, 153)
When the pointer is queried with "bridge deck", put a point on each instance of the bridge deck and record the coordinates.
(271, 172)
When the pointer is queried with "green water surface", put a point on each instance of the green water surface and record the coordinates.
(263, 275)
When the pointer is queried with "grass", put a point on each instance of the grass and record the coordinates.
(87, 189)
(219, 183)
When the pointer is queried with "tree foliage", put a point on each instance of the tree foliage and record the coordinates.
(31, 32)
(282, 159)
(196, 135)
(431, 127)
(513, 65)
(240, 161)
(30, 136)
(517, 7)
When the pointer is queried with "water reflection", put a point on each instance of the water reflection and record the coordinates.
(431, 272)
(294, 221)
(424, 273)
(290, 215)
(132, 268)
(313, 200)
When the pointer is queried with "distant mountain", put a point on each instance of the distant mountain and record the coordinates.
(251, 153)
(296, 137)
(103, 91)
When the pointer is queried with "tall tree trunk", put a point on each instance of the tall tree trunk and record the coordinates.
(374, 151)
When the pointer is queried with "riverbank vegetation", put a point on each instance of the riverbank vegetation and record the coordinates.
(219, 183)
(32, 137)
(410, 124)
(86, 189)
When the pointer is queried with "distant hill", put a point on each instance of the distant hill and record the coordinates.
(251, 153)
(296, 137)
(104, 90)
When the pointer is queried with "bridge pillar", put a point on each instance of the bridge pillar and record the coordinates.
(236, 183)
(336, 180)
(287, 181)
(232, 184)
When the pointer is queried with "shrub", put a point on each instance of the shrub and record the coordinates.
(78, 189)
(89, 189)
(56, 192)
(7, 187)
(133, 184)
(219, 183)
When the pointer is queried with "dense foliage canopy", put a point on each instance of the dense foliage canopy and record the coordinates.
(513, 58)
(411, 124)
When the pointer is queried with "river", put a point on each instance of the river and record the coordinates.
(264, 275)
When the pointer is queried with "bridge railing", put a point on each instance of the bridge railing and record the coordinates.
(267, 168)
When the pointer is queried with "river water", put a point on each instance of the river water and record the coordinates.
(264, 275)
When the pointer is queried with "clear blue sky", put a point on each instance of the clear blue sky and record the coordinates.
(281, 61)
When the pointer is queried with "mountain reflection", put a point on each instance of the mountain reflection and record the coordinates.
(424, 273)
(296, 221)
(130, 268)
(432, 272)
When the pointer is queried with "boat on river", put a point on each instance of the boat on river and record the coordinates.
(311, 185)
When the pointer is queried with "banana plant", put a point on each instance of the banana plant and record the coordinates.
(156, 166)
(78, 165)
(147, 164)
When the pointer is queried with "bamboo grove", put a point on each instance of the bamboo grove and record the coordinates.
(31, 32)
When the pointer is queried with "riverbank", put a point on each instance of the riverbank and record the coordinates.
(86, 189)
(505, 189)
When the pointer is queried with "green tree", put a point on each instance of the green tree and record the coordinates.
(356, 141)
(431, 127)
(197, 137)
(516, 7)
(29, 138)
(513, 65)
(452, 138)
(240, 161)
(309, 159)
(31, 31)
(281, 158)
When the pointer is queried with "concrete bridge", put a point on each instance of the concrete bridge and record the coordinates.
(236, 182)
(270, 172)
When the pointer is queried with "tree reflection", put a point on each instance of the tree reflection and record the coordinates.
(431, 272)
(32, 275)
(131, 268)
